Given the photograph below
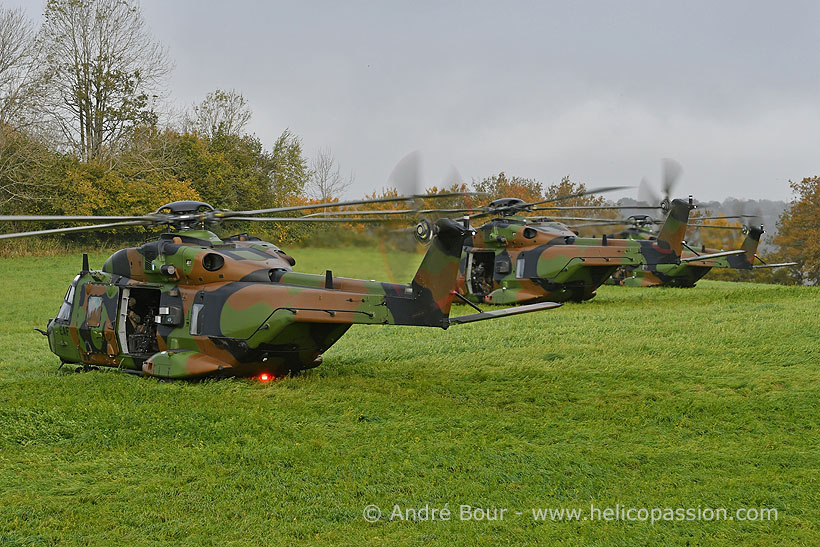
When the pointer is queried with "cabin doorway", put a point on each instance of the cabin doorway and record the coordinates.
(480, 272)
(137, 327)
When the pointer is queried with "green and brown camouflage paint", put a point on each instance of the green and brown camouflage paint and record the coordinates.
(535, 261)
(236, 307)
(687, 274)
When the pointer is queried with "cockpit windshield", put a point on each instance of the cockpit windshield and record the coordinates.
(65, 310)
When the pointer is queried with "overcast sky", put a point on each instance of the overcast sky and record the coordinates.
(600, 91)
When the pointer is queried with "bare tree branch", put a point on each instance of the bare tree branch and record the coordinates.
(106, 70)
(221, 113)
(22, 78)
(326, 181)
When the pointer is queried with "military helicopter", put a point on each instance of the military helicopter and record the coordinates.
(693, 263)
(696, 263)
(515, 259)
(191, 304)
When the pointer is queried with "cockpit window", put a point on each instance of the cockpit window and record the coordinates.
(69, 295)
(65, 310)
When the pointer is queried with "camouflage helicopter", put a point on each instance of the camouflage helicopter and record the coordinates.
(698, 262)
(191, 304)
(693, 263)
(515, 259)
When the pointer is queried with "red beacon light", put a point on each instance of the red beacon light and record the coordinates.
(264, 377)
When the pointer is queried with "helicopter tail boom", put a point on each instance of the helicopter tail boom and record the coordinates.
(426, 301)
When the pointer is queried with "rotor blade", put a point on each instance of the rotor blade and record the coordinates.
(75, 229)
(672, 171)
(738, 209)
(467, 210)
(459, 210)
(309, 219)
(722, 217)
(231, 214)
(590, 219)
(406, 175)
(646, 194)
(60, 218)
(577, 195)
(522, 206)
(715, 226)
(757, 218)
(385, 212)
(348, 213)
(453, 178)
(570, 208)
(594, 224)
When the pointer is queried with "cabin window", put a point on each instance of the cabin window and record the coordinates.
(94, 311)
(69, 295)
(519, 267)
(196, 318)
(212, 262)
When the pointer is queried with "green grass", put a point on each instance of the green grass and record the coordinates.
(644, 398)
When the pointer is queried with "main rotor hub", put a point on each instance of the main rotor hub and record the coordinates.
(187, 206)
(187, 214)
(508, 206)
(641, 220)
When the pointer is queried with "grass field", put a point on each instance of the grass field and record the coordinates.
(644, 398)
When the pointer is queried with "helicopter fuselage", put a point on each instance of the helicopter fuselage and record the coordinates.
(517, 260)
(190, 304)
(687, 274)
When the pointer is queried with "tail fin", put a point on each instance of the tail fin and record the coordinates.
(434, 282)
(750, 243)
(439, 268)
(674, 228)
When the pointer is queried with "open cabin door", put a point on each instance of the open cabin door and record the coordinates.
(479, 272)
(136, 326)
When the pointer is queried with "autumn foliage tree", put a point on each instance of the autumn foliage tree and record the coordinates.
(98, 148)
(501, 186)
(798, 234)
